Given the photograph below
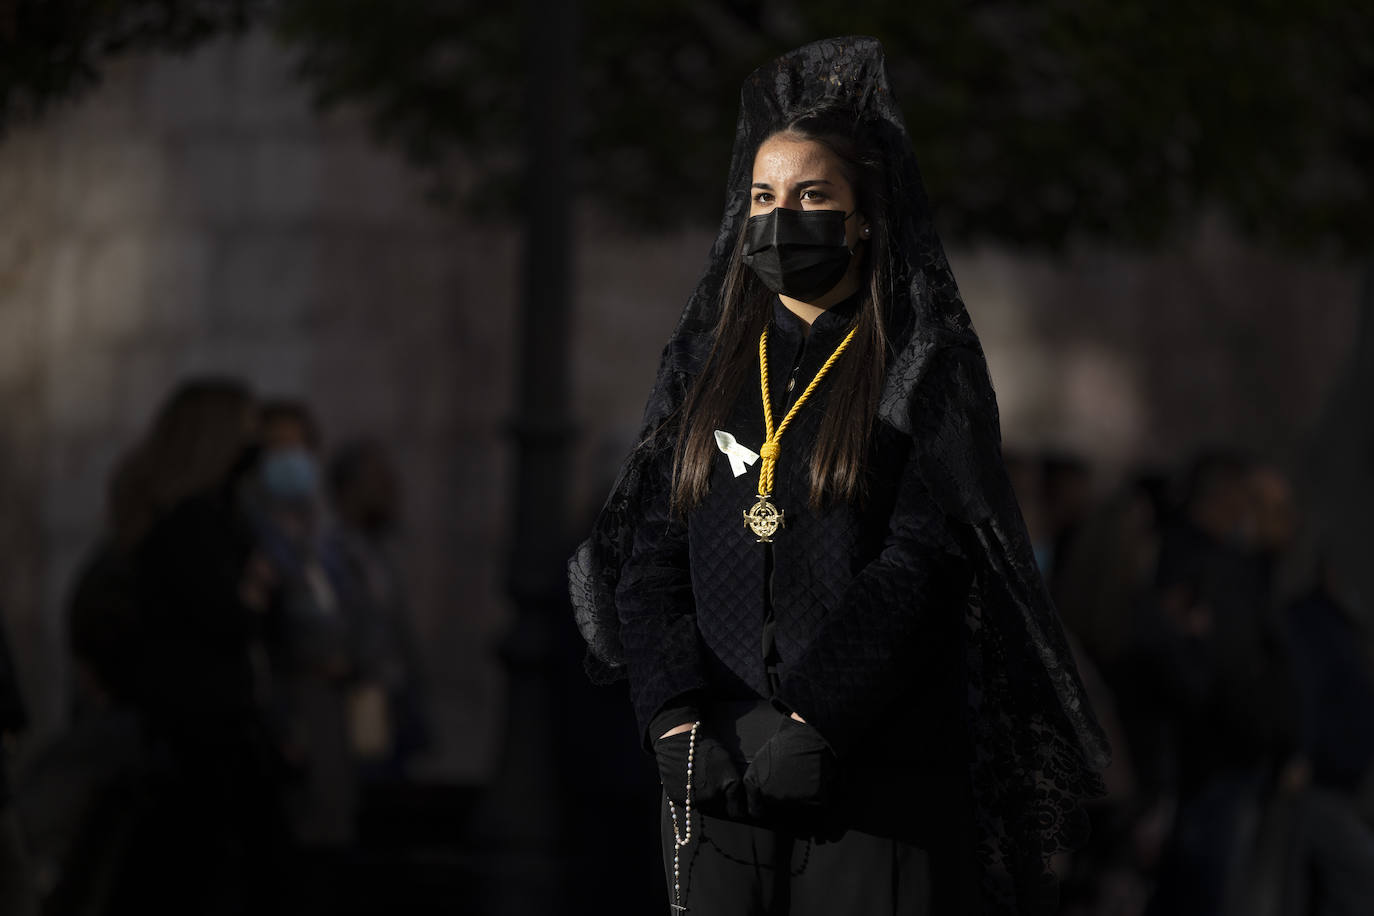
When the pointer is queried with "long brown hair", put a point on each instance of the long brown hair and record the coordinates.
(199, 432)
(837, 463)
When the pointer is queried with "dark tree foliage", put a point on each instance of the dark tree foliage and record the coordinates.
(1123, 118)
(52, 50)
(444, 79)
(1035, 123)
(441, 80)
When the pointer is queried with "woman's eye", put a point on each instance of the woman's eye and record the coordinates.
(811, 195)
(763, 197)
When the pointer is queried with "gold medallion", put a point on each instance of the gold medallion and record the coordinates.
(764, 519)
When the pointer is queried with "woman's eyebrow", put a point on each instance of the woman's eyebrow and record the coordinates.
(801, 184)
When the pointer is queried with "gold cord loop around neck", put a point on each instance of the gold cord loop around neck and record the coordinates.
(764, 519)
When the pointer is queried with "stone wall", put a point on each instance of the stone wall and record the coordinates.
(194, 215)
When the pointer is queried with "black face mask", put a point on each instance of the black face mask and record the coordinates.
(797, 253)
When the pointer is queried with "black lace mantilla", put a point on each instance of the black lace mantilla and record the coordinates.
(1037, 750)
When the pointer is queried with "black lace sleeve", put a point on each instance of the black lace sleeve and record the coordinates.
(867, 650)
(658, 627)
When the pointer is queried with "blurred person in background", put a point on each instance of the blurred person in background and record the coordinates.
(204, 603)
(1066, 483)
(1108, 569)
(312, 654)
(1222, 681)
(1333, 663)
(1333, 657)
(388, 719)
(1307, 852)
(197, 438)
(165, 794)
(1105, 575)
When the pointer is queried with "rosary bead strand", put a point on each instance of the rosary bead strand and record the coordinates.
(681, 840)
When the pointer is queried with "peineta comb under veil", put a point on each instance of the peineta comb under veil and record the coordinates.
(1036, 750)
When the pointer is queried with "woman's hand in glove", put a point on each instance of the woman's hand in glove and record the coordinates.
(716, 784)
(793, 770)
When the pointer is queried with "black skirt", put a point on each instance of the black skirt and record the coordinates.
(732, 868)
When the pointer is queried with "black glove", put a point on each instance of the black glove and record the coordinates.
(715, 778)
(793, 772)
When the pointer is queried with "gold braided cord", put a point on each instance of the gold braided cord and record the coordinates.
(769, 450)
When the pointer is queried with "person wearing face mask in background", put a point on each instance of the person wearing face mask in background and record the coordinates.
(311, 657)
(812, 569)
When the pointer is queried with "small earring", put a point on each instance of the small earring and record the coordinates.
(866, 231)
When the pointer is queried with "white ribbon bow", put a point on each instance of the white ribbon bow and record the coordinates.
(739, 455)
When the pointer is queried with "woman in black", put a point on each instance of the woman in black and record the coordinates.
(812, 568)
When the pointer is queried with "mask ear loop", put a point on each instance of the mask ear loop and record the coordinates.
(863, 233)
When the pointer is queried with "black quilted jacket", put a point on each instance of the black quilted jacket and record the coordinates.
(706, 611)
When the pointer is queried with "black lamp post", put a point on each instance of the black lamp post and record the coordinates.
(520, 830)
